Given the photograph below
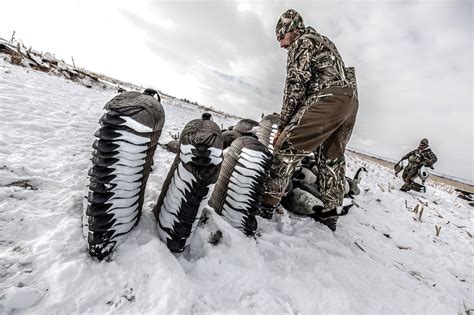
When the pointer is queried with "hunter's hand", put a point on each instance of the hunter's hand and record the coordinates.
(275, 139)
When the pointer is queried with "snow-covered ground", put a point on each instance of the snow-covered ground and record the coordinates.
(382, 259)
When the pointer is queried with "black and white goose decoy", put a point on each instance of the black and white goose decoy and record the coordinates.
(189, 182)
(122, 157)
(240, 183)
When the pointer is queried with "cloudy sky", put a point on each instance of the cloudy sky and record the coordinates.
(413, 59)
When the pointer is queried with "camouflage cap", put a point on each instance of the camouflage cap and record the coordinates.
(289, 21)
(424, 141)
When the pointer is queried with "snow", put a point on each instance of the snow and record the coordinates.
(382, 259)
(21, 297)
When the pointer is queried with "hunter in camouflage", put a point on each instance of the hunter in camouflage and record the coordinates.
(421, 156)
(318, 113)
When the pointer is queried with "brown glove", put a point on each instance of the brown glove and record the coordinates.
(275, 139)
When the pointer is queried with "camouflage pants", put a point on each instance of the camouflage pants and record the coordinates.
(325, 125)
(331, 180)
(409, 174)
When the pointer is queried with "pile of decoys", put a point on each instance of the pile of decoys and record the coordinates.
(303, 195)
(220, 169)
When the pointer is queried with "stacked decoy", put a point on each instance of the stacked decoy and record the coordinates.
(245, 126)
(267, 130)
(240, 183)
(229, 136)
(188, 184)
(242, 128)
(121, 162)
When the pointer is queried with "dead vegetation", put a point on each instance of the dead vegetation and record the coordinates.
(23, 183)
(418, 211)
(22, 56)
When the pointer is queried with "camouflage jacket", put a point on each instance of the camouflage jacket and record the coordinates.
(313, 64)
(424, 157)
